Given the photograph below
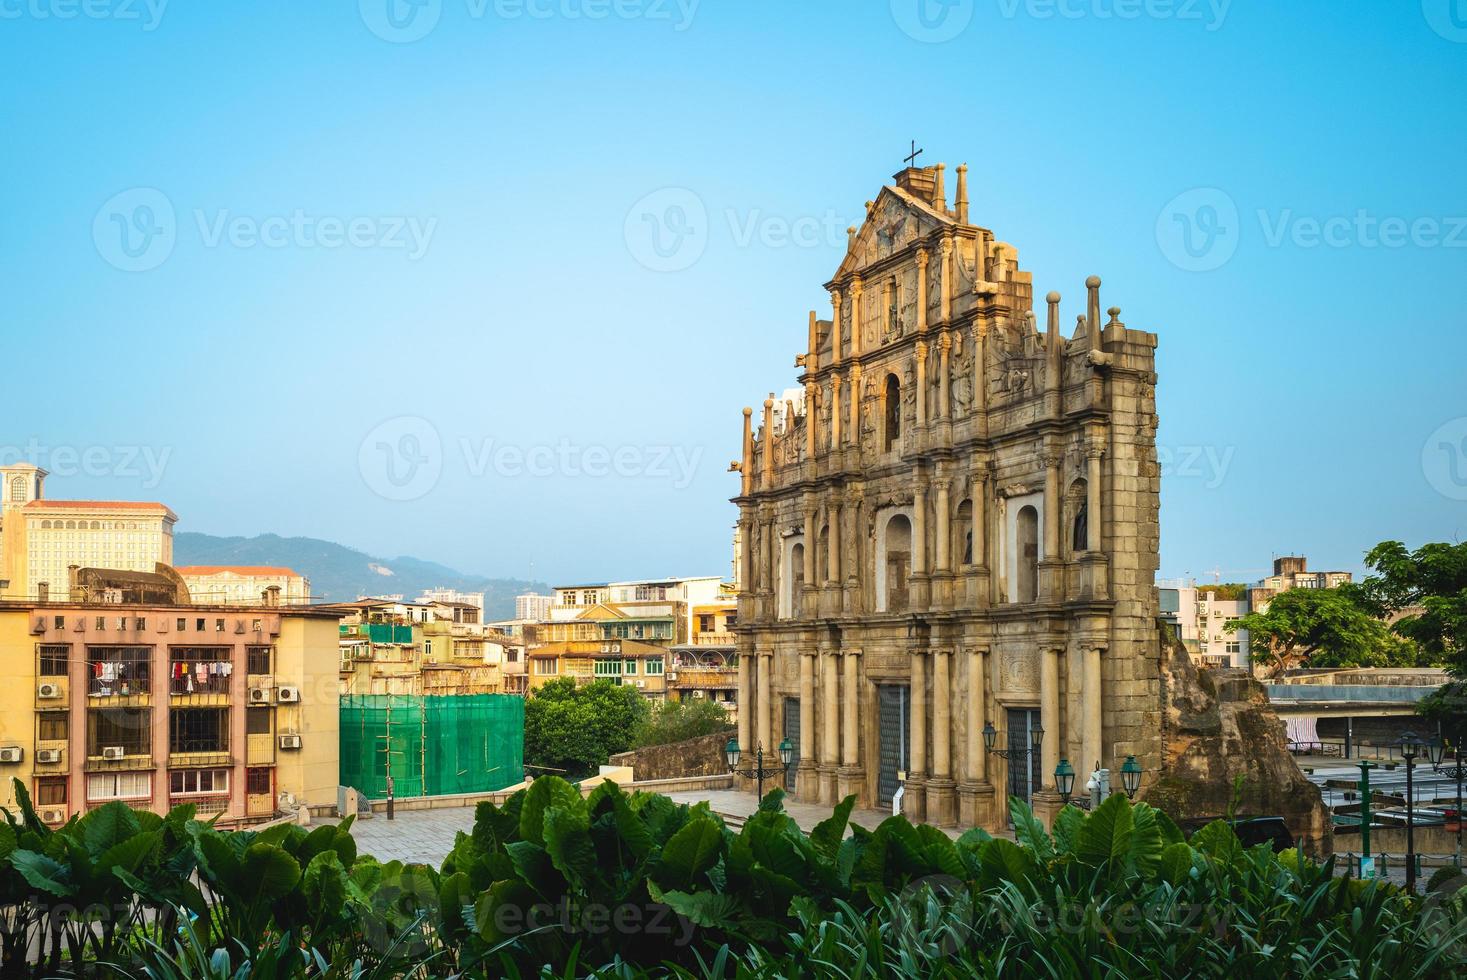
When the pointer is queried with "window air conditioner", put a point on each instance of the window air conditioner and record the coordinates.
(10, 753)
(48, 691)
(259, 695)
(48, 756)
(287, 695)
(290, 741)
(113, 752)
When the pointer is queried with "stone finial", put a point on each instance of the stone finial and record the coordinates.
(1092, 305)
(1080, 330)
(851, 238)
(962, 202)
(1115, 315)
(939, 189)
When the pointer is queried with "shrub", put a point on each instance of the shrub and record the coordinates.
(677, 721)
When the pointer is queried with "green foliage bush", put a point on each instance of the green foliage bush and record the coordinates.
(574, 728)
(677, 721)
(632, 885)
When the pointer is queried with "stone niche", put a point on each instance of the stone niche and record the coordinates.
(1217, 726)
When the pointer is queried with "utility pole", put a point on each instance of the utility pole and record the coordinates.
(1367, 861)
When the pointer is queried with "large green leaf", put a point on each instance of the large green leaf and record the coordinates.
(130, 854)
(568, 842)
(1005, 861)
(707, 909)
(1067, 825)
(268, 872)
(1175, 863)
(1146, 839)
(828, 833)
(109, 824)
(631, 829)
(940, 852)
(1029, 830)
(455, 905)
(545, 792)
(1106, 833)
(690, 852)
(42, 872)
(324, 886)
(535, 870)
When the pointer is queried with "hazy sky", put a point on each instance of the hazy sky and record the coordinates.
(489, 281)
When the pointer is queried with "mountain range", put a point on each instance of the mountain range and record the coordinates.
(339, 573)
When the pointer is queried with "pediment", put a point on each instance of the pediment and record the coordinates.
(896, 220)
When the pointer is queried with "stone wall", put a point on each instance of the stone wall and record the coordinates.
(701, 756)
(1217, 726)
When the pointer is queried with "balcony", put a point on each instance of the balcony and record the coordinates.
(723, 639)
(705, 678)
(199, 759)
(135, 760)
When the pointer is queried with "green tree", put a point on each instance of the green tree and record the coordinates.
(677, 721)
(573, 729)
(1320, 628)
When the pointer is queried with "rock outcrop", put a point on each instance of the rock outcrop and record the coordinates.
(1216, 727)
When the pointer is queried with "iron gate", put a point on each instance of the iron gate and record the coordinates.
(791, 732)
(895, 738)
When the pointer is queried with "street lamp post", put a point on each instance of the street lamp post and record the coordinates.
(731, 754)
(1131, 776)
(1064, 779)
(1410, 747)
(1036, 739)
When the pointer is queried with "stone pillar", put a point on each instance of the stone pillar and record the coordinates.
(849, 778)
(855, 400)
(921, 392)
(940, 801)
(1090, 695)
(1047, 802)
(922, 260)
(746, 702)
(835, 325)
(919, 584)
(942, 578)
(807, 601)
(1050, 565)
(746, 468)
(830, 723)
(766, 447)
(807, 783)
(1095, 542)
(812, 400)
(856, 289)
(833, 522)
(765, 715)
(944, 377)
(914, 801)
(835, 433)
(977, 805)
(945, 267)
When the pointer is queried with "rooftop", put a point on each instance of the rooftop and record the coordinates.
(255, 570)
(148, 506)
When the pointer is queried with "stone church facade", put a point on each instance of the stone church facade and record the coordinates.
(953, 523)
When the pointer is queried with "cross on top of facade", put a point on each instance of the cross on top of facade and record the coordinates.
(911, 160)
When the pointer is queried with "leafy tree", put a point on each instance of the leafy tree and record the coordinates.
(677, 721)
(1429, 586)
(1320, 628)
(573, 729)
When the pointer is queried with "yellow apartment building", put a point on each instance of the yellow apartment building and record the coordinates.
(628, 662)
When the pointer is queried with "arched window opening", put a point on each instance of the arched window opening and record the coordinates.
(797, 580)
(964, 525)
(893, 412)
(1027, 587)
(898, 562)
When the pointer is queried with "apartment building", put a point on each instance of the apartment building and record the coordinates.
(1200, 616)
(41, 538)
(1292, 572)
(628, 662)
(454, 597)
(706, 667)
(227, 585)
(532, 606)
(657, 611)
(150, 699)
(391, 647)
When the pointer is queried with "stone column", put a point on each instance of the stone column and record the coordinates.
(848, 779)
(807, 600)
(921, 392)
(766, 447)
(1095, 542)
(835, 434)
(807, 775)
(746, 702)
(940, 800)
(942, 579)
(833, 522)
(922, 260)
(835, 325)
(1090, 695)
(918, 586)
(1050, 566)
(856, 289)
(765, 716)
(1047, 802)
(812, 415)
(914, 801)
(945, 259)
(855, 400)
(830, 723)
(944, 377)
(977, 806)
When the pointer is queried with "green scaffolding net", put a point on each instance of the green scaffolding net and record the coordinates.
(432, 746)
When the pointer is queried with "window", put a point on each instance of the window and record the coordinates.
(127, 728)
(182, 625)
(182, 782)
(898, 562)
(651, 593)
(705, 624)
(629, 668)
(608, 668)
(200, 670)
(119, 786)
(51, 726)
(142, 623)
(1028, 555)
(118, 670)
(198, 624)
(218, 626)
(101, 622)
(259, 660)
(17, 489)
(546, 665)
(257, 782)
(198, 730)
(257, 721)
(654, 666)
(59, 622)
(730, 620)
(51, 792)
(54, 661)
(1235, 647)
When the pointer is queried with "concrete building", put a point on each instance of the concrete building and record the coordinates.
(388, 646)
(657, 611)
(41, 538)
(706, 667)
(1201, 619)
(453, 596)
(532, 607)
(154, 700)
(1292, 572)
(958, 528)
(228, 585)
(628, 662)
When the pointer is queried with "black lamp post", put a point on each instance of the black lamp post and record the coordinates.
(1131, 776)
(759, 771)
(1064, 779)
(1410, 747)
(1036, 740)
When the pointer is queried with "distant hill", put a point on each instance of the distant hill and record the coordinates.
(339, 573)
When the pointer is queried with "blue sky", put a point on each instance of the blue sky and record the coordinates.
(363, 271)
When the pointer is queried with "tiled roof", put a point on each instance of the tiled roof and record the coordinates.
(151, 507)
(255, 570)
